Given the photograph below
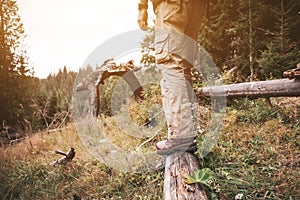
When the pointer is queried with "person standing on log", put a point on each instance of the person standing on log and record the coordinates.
(177, 25)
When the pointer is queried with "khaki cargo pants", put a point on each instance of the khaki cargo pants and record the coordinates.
(176, 31)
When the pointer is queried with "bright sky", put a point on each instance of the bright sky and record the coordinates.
(65, 32)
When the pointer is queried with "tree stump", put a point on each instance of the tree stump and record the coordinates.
(177, 166)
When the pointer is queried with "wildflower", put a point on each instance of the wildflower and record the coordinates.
(239, 196)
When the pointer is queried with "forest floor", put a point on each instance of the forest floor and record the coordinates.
(257, 157)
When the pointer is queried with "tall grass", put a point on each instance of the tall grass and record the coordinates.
(256, 157)
(25, 173)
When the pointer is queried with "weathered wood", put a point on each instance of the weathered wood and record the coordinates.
(106, 70)
(134, 85)
(271, 88)
(95, 101)
(177, 166)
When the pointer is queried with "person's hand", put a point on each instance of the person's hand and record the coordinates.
(143, 19)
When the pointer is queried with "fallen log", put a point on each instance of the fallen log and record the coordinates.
(270, 88)
(177, 166)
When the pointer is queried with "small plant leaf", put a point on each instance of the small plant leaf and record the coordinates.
(203, 176)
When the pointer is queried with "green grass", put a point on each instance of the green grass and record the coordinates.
(25, 173)
(257, 157)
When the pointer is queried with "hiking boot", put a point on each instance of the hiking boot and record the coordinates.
(170, 146)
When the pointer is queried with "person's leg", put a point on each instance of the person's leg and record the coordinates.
(173, 49)
(176, 99)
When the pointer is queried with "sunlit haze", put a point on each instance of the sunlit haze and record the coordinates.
(64, 32)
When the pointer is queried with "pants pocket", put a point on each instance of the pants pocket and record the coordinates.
(161, 47)
(177, 14)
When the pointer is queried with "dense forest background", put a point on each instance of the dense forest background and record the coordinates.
(253, 39)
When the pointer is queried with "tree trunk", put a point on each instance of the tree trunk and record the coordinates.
(94, 101)
(134, 85)
(271, 88)
(178, 165)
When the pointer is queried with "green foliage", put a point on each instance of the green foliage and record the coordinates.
(147, 45)
(105, 95)
(252, 160)
(143, 111)
(254, 157)
(281, 52)
(215, 33)
(246, 34)
(28, 103)
(204, 176)
(15, 82)
(92, 180)
(51, 105)
(257, 156)
(13, 56)
(26, 174)
(258, 111)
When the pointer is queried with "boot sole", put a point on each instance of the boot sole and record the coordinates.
(192, 148)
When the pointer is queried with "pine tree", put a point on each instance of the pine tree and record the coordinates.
(282, 50)
(216, 32)
(240, 34)
(53, 104)
(249, 39)
(15, 93)
(13, 58)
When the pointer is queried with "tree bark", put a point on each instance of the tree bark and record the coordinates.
(178, 165)
(271, 88)
(134, 85)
